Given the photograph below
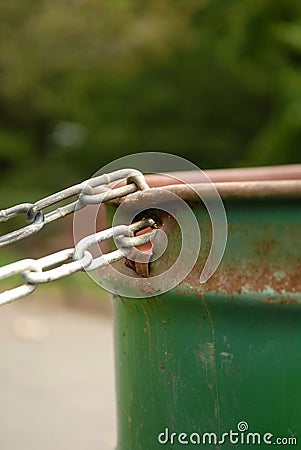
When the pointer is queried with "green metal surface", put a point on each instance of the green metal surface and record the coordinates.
(203, 358)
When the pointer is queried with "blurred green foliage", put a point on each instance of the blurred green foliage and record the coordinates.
(83, 82)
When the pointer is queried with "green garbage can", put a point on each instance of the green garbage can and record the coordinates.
(219, 364)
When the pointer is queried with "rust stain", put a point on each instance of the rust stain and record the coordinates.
(141, 267)
(288, 301)
(127, 416)
(257, 272)
(212, 363)
(265, 246)
(147, 328)
(233, 279)
(207, 353)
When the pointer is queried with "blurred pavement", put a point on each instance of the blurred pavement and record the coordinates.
(56, 373)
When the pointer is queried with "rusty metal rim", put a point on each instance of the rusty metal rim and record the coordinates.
(243, 183)
(240, 190)
(286, 189)
(268, 173)
(264, 173)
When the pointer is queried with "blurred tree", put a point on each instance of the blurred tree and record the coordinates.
(85, 81)
(59, 61)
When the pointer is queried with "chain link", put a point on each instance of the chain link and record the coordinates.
(87, 194)
(38, 221)
(66, 262)
(119, 231)
(14, 269)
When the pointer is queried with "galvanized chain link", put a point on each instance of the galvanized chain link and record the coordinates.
(72, 260)
(87, 194)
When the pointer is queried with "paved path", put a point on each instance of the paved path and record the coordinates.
(56, 374)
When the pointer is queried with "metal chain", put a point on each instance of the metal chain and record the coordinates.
(87, 194)
(90, 192)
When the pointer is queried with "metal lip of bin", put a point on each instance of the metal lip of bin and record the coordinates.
(242, 183)
(253, 182)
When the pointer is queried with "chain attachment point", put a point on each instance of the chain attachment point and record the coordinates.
(89, 192)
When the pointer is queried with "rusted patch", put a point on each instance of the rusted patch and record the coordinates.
(230, 280)
(140, 262)
(141, 267)
(147, 322)
(269, 266)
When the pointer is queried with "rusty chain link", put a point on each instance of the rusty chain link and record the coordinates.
(66, 262)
